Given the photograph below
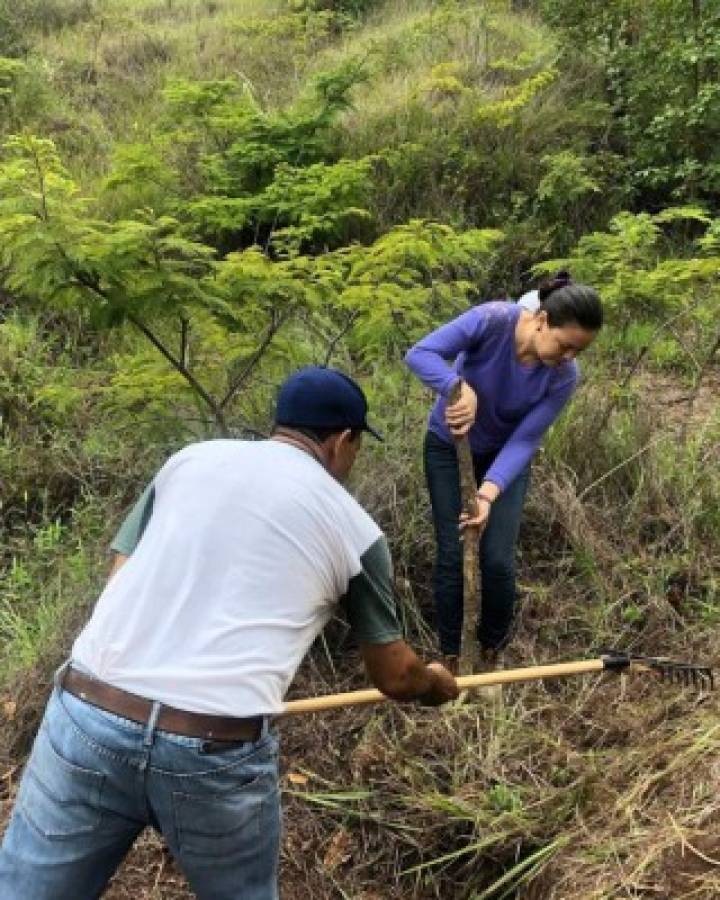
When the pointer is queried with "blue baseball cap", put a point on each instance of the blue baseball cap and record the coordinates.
(318, 397)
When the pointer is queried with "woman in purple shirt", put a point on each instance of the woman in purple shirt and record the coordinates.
(518, 370)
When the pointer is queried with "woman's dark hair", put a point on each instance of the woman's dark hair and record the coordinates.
(566, 302)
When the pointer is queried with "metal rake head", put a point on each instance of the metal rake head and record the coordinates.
(675, 672)
(700, 677)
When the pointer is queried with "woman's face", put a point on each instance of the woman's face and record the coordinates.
(554, 345)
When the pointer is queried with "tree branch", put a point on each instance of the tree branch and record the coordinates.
(275, 326)
(184, 371)
(340, 335)
(184, 340)
(44, 213)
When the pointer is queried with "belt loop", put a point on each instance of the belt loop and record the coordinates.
(265, 728)
(151, 723)
(59, 675)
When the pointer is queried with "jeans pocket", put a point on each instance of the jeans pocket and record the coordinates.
(222, 824)
(60, 799)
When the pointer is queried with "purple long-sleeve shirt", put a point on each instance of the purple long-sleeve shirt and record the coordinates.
(517, 403)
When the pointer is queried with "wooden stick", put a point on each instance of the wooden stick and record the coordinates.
(469, 647)
(501, 676)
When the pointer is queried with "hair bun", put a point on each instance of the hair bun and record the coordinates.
(559, 280)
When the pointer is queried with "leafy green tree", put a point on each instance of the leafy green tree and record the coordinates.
(141, 271)
(413, 277)
(661, 62)
(659, 287)
(10, 71)
(239, 176)
(144, 271)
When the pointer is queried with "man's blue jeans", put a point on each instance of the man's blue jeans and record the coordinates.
(94, 781)
(497, 548)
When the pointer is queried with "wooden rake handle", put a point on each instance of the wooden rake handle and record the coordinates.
(501, 676)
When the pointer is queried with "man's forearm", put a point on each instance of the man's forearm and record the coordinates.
(399, 673)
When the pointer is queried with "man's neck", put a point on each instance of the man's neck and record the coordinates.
(302, 442)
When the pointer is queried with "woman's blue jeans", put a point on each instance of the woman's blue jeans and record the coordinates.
(94, 781)
(497, 548)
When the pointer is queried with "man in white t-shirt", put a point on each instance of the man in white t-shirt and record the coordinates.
(226, 570)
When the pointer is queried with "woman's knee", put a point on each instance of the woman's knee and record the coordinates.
(499, 566)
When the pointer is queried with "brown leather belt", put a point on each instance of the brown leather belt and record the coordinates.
(177, 721)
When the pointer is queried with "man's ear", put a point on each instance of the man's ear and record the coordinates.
(541, 317)
(335, 442)
(346, 437)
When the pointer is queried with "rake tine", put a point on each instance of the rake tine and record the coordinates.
(679, 673)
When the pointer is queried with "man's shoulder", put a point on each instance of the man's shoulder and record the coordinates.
(355, 524)
(214, 447)
(353, 508)
(202, 453)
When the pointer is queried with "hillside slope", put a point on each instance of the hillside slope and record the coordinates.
(478, 150)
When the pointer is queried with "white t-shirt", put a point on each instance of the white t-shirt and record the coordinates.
(530, 301)
(247, 551)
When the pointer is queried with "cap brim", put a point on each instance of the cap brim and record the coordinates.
(375, 434)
